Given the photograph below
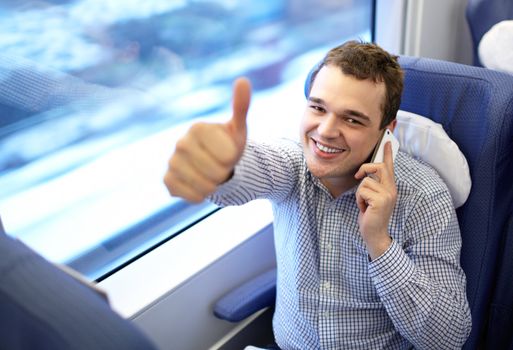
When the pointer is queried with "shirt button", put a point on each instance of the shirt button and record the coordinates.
(328, 247)
(326, 285)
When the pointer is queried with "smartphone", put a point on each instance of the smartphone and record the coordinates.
(379, 151)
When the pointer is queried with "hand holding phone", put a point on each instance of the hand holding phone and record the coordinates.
(376, 196)
(379, 151)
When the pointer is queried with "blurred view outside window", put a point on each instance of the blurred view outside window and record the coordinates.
(95, 93)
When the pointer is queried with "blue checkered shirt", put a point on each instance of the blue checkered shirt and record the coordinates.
(329, 294)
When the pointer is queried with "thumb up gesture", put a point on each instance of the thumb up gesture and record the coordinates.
(205, 157)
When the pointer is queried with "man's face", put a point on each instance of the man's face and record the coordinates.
(340, 126)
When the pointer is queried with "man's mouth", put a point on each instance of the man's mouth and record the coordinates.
(327, 149)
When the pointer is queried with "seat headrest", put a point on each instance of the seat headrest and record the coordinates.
(424, 139)
(496, 47)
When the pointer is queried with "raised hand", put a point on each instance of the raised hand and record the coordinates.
(205, 157)
(376, 197)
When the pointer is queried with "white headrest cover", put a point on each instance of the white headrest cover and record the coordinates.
(496, 47)
(424, 139)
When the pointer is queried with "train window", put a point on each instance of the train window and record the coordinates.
(94, 93)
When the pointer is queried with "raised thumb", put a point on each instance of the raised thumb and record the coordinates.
(240, 106)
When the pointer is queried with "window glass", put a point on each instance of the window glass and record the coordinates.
(95, 93)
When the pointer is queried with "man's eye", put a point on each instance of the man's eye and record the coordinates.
(352, 121)
(317, 108)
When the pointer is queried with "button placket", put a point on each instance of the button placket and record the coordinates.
(327, 259)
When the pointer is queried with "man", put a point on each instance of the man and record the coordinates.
(364, 262)
(41, 307)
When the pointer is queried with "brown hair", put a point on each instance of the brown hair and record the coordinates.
(369, 61)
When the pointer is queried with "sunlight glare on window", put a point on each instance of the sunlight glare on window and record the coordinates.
(95, 93)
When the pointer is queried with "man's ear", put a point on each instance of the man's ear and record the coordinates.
(391, 125)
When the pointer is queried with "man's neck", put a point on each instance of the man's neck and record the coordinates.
(337, 186)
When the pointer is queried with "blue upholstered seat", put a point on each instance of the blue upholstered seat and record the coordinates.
(482, 15)
(42, 307)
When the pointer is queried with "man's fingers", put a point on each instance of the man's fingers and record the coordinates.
(367, 169)
(388, 158)
(364, 195)
(178, 188)
(369, 195)
(192, 156)
(361, 203)
(381, 172)
(184, 171)
(240, 105)
(209, 167)
(219, 145)
(371, 184)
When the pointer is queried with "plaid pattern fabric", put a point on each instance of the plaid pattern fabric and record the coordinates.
(329, 295)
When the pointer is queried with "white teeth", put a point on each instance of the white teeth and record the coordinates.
(328, 149)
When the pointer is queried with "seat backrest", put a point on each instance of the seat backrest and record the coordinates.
(475, 107)
(482, 15)
(41, 307)
(500, 318)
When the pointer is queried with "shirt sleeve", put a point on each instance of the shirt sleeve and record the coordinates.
(421, 283)
(265, 171)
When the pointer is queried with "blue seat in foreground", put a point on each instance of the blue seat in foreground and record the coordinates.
(42, 307)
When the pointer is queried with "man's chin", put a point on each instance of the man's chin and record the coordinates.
(321, 171)
(326, 172)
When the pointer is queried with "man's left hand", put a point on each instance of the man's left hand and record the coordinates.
(376, 197)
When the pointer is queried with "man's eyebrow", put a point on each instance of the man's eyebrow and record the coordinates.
(345, 112)
(316, 100)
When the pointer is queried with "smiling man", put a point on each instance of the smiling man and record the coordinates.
(364, 262)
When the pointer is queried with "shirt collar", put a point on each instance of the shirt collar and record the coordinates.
(317, 182)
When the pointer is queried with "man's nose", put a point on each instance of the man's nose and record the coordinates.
(328, 127)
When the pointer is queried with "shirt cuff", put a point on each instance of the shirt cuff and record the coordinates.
(232, 183)
(226, 193)
(392, 270)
